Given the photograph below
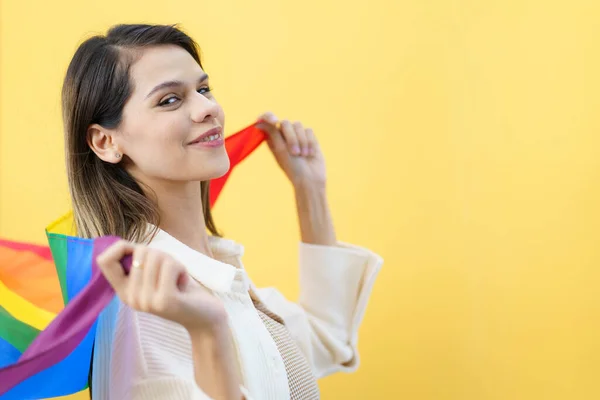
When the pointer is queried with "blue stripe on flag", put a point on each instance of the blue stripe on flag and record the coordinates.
(78, 273)
(66, 377)
(8, 353)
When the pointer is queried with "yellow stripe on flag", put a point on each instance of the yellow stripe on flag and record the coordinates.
(23, 310)
(83, 395)
(65, 225)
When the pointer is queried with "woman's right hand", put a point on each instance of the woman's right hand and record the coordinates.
(159, 285)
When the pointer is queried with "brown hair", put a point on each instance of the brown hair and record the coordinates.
(106, 199)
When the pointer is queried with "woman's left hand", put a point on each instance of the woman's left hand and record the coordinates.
(296, 150)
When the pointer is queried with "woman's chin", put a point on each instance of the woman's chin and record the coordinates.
(224, 170)
(218, 169)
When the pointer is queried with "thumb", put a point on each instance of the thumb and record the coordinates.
(269, 118)
(275, 139)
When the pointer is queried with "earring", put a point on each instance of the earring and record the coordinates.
(118, 155)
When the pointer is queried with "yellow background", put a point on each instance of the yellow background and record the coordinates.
(462, 140)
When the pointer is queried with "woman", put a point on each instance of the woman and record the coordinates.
(144, 135)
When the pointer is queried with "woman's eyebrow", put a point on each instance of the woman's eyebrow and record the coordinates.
(172, 84)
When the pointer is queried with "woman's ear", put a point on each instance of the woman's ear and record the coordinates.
(102, 142)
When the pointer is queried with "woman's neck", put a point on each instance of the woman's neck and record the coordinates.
(182, 215)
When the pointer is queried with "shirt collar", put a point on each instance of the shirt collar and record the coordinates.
(215, 275)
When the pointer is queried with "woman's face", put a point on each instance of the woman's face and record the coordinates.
(172, 127)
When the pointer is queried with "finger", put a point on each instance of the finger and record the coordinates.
(169, 276)
(149, 280)
(269, 123)
(168, 284)
(313, 145)
(289, 135)
(273, 133)
(269, 118)
(109, 263)
(116, 251)
(301, 137)
(275, 140)
(268, 128)
(134, 280)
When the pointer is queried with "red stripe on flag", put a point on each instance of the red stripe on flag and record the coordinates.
(238, 146)
(42, 251)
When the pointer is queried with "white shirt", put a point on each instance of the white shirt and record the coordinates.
(142, 356)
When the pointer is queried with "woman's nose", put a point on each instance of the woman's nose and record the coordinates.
(204, 108)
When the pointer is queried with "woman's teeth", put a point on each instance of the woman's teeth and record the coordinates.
(211, 138)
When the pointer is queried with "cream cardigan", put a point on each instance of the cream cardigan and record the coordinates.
(142, 356)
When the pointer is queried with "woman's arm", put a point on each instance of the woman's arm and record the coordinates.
(214, 362)
(335, 279)
(316, 224)
(297, 151)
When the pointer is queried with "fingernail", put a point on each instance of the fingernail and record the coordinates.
(296, 150)
(305, 151)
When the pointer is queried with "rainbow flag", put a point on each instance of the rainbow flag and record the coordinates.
(50, 299)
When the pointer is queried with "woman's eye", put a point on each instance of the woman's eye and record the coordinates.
(168, 101)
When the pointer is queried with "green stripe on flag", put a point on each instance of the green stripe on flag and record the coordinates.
(58, 246)
(16, 332)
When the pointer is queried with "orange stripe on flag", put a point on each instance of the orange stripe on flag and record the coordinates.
(32, 278)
